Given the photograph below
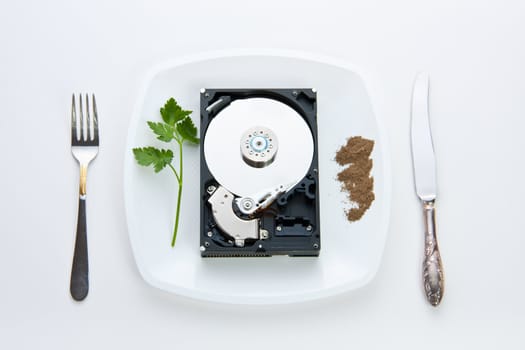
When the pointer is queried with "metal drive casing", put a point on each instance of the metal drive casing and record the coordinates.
(289, 225)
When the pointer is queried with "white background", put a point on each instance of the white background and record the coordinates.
(475, 54)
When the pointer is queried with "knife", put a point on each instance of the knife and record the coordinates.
(425, 181)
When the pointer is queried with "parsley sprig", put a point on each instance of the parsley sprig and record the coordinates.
(176, 126)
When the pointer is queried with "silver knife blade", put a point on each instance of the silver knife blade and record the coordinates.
(422, 148)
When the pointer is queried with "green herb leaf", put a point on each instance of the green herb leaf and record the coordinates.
(188, 131)
(159, 158)
(163, 131)
(179, 127)
(172, 113)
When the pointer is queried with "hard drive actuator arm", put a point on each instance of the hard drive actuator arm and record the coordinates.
(262, 200)
(221, 201)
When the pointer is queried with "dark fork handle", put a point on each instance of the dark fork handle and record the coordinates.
(79, 272)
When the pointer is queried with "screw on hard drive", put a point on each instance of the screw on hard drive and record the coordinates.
(316, 245)
(279, 228)
(309, 228)
(202, 248)
(211, 189)
(295, 93)
(210, 233)
(207, 244)
(247, 203)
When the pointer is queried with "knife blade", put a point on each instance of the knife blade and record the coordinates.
(424, 163)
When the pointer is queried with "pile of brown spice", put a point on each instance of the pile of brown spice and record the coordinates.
(355, 178)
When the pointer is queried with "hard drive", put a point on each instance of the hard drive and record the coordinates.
(259, 173)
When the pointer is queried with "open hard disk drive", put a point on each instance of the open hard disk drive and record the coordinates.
(259, 173)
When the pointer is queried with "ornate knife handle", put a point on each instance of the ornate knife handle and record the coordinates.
(433, 277)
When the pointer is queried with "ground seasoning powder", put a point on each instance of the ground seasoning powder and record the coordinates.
(355, 177)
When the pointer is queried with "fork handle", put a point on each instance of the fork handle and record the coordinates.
(79, 272)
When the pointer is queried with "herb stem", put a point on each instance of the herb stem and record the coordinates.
(179, 196)
(175, 172)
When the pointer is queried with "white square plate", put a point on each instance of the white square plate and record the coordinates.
(350, 252)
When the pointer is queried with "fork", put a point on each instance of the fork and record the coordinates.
(84, 146)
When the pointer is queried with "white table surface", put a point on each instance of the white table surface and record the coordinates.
(475, 54)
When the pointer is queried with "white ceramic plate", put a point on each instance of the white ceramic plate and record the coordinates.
(350, 253)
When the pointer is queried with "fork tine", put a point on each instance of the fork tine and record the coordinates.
(74, 134)
(82, 127)
(88, 120)
(95, 119)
